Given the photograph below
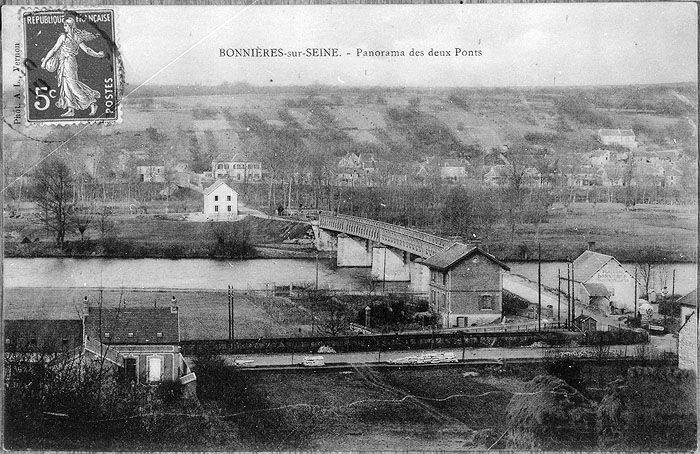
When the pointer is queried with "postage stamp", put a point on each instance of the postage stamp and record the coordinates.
(71, 65)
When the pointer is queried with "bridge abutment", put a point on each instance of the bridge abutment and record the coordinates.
(353, 252)
(390, 265)
(324, 240)
(420, 277)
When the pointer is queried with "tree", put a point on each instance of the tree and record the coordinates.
(103, 218)
(53, 194)
(82, 217)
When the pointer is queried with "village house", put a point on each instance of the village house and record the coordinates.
(599, 158)
(688, 332)
(151, 173)
(146, 338)
(454, 170)
(600, 279)
(220, 201)
(620, 137)
(466, 285)
(356, 170)
(236, 167)
(496, 175)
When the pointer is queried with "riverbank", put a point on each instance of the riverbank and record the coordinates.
(656, 233)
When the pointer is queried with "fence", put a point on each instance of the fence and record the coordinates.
(374, 342)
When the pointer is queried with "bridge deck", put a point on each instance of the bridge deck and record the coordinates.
(414, 241)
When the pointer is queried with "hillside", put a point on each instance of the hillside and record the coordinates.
(396, 125)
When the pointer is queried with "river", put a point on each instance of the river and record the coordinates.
(248, 274)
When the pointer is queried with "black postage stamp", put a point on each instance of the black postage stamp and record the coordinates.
(72, 66)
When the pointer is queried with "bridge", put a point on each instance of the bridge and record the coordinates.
(392, 251)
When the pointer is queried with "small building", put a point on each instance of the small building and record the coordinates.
(585, 323)
(454, 170)
(595, 268)
(236, 167)
(220, 201)
(466, 285)
(688, 332)
(151, 173)
(147, 338)
(620, 137)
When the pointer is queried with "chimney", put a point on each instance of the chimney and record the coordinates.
(173, 305)
(86, 306)
(591, 246)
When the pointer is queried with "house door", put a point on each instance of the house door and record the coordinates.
(461, 322)
(155, 369)
(130, 369)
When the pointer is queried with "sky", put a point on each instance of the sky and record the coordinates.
(521, 44)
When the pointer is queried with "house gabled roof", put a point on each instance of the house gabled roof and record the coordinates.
(690, 299)
(596, 289)
(217, 184)
(134, 326)
(46, 336)
(589, 263)
(456, 253)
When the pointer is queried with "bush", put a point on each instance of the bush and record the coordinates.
(649, 409)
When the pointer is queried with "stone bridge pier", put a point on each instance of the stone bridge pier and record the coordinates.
(353, 251)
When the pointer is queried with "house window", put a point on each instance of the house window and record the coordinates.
(155, 368)
(228, 198)
(107, 335)
(130, 369)
(130, 335)
(216, 198)
(228, 208)
(444, 278)
(486, 302)
(216, 207)
(159, 334)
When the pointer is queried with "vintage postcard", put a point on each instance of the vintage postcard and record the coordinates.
(419, 227)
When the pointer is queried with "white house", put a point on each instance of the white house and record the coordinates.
(220, 201)
(600, 279)
(237, 167)
(688, 332)
(621, 137)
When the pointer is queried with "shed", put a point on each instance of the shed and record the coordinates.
(585, 323)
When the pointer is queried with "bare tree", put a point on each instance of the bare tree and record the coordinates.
(82, 217)
(103, 219)
(53, 194)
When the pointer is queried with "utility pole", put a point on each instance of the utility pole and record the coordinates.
(317, 270)
(539, 286)
(559, 295)
(635, 292)
(573, 293)
(568, 294)
(673, 286)
(229, 313)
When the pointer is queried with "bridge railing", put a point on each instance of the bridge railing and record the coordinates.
(414, 241)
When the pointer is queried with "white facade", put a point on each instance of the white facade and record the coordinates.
(220, 201)
(594, 268)
(688, 339)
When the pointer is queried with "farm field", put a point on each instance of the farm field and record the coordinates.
(203, 315)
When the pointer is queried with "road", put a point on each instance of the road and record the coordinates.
(657, 344)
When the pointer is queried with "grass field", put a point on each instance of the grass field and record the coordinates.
(670, 231)
(203, 315)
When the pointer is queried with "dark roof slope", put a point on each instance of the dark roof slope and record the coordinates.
(691, 299)
(134, 326)
(46, 336)
(456, 253)
(589, 263)
(596, 289)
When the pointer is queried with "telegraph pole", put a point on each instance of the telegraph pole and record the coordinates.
(673, 286)
(568, 294)
(229, 314)
(635, 292)
(559, 295)
(573, 293)
(539, 286)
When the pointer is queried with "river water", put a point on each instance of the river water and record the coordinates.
(249, 274)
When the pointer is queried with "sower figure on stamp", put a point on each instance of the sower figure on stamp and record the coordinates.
(73, 94)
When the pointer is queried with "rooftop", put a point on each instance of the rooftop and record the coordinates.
(138, 325)
(48, 336)
(589, 263)
(217, 184)
(457, 252)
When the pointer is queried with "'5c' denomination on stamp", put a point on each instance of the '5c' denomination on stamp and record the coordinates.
(72, 66)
